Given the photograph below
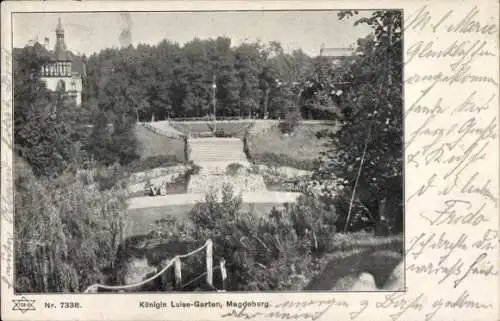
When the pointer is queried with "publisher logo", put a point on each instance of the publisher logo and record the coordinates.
(23, 305)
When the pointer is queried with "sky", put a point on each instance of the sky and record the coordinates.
(91, 32)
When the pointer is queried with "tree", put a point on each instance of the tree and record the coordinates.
(248, 64)
(227, 81)
(47, 125)
(367, 152)
(160, 89)
(113, 138)
(168, 80)
(196, 78)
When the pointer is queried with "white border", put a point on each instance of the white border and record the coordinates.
(423, 290)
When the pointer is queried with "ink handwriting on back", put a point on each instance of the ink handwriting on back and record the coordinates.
(7, 259)
(290, 310)
(453, 128)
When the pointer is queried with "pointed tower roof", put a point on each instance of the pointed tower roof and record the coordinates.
(60, 49)
(59, 29)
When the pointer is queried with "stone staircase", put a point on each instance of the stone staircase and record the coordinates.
(213, 155)
(217, 151)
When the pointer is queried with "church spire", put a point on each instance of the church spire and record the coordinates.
(60, 49)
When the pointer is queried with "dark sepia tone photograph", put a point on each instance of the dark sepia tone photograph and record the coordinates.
(242, 151)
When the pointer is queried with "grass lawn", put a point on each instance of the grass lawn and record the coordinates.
(298, 150)
(152, 144)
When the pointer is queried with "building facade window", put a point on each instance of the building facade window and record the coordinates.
(61, 85)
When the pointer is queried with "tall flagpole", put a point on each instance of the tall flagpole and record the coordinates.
(214, 86)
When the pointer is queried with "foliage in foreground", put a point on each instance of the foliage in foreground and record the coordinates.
(280, 251)
(66, 231)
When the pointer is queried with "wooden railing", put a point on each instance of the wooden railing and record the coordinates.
(177, 264)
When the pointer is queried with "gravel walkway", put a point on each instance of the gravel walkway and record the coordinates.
(186, 199)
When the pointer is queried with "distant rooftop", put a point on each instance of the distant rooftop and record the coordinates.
(77, 64)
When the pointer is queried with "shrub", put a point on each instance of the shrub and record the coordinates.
(288, 125)
(233, 169)
(111, 144)
(152, 162)
(313, 220)
(280, 251)
(194, 170)
(263, 254)
(67, 232)
(230, 129)
(147, 187)
(285, 127)
(323, 133)
(109, 177)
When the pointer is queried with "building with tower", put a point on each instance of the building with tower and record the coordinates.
(65, 70)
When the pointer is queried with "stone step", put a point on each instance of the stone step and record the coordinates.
(215, 141)
(208, 146)
(216, 149)
(225, 147)
(201, 154)
(214, 154)
(197, 152)
(205, 150)
(217, 159)
(222, 154)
